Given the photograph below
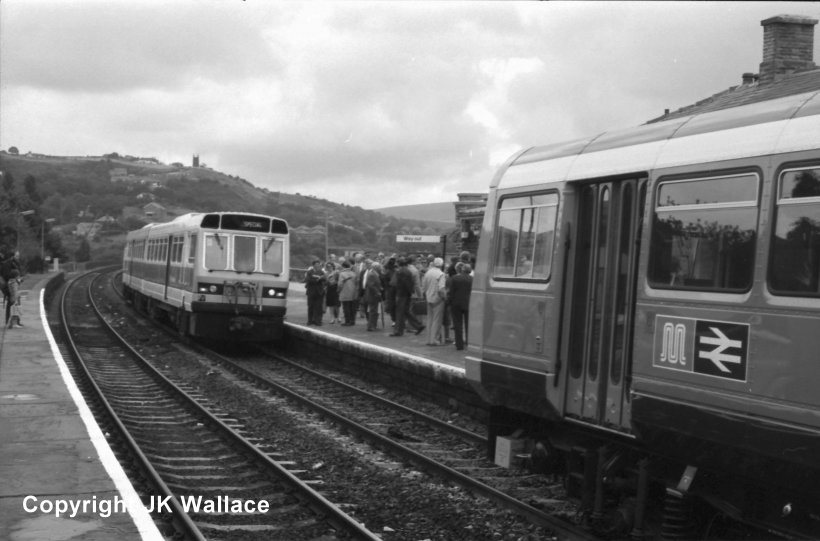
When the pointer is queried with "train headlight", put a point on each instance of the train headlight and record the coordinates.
(211, 289)
(274, 292)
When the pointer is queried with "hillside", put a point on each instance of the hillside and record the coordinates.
(74, 193)
(439, 213)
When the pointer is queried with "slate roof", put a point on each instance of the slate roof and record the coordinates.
(745, 94)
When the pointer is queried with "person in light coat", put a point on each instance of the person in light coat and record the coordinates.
(348, 294)
(433, 285)
(372, 294)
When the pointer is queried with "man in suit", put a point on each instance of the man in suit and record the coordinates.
(461, 285)
(372, 294)
(315, 281)
(359, 267)
(405, 288)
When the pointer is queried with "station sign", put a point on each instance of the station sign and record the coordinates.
(711, 348)
(429, 239)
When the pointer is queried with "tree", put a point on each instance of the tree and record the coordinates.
(83, 252)
(8, 183)
(30, 186)
(13, 150)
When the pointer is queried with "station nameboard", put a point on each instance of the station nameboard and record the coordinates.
(430, 239)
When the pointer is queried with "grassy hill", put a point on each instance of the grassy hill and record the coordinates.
(439, 213)
(69, 191)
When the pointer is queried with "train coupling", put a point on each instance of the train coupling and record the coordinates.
(240, 323)
(242, 293)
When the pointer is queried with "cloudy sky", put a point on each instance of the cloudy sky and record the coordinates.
(366, 103)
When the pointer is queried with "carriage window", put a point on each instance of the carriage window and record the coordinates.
(192, 249)
(244, 253)
(525, 231)
(795, 259)
(703, 234)
(176, 249)
(273, 250)
(216, 252)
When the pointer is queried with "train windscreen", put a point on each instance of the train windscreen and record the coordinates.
(216, 252)
(273, 250)
(244, 253)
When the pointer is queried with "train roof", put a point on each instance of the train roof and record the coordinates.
(193, 220)
(786, 124)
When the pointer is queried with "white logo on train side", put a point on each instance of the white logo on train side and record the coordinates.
(672, 348)
(705, 347)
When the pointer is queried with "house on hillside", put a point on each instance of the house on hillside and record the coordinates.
(305, 231)
(87, 230)
(155, 212)
(146, 196)
(118, 174)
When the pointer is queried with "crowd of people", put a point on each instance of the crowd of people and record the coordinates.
(11, 276)
(402, 287)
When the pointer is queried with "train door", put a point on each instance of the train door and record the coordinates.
(602, 301)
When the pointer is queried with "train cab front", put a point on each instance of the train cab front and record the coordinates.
(237, 309)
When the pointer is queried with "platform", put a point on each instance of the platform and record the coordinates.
(51, 450)
(410, 343)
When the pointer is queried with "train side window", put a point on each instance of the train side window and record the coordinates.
(176, 249)
(794, 267)
(704, 233)
(216, 252)
(525, 231)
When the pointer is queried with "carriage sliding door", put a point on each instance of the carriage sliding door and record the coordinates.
(602, 301)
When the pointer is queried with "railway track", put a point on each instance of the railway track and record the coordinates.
(413, 439)
(430, 443)
(210, 480)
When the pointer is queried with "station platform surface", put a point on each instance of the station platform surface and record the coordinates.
(409, 343)
(51, 449)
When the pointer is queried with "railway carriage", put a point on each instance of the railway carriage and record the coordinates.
(647, 305)
(221, 275)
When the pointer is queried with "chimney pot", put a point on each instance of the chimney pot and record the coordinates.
(788, 46)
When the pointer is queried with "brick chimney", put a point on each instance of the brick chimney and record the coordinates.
(788, 46)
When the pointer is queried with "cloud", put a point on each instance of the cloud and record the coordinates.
(370, 103)
(104, 47)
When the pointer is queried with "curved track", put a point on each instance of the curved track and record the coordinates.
(193, 456)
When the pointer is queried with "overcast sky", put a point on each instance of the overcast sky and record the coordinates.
(367, 103)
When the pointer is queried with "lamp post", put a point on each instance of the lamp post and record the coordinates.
(19, 214)
(43, 238)
(327, 234)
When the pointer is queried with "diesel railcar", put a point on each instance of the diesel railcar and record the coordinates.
(646, 305)
(220, 275)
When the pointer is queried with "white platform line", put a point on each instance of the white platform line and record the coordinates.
(139, 514)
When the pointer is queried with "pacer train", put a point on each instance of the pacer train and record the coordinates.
(646, 305)
(221, 275)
